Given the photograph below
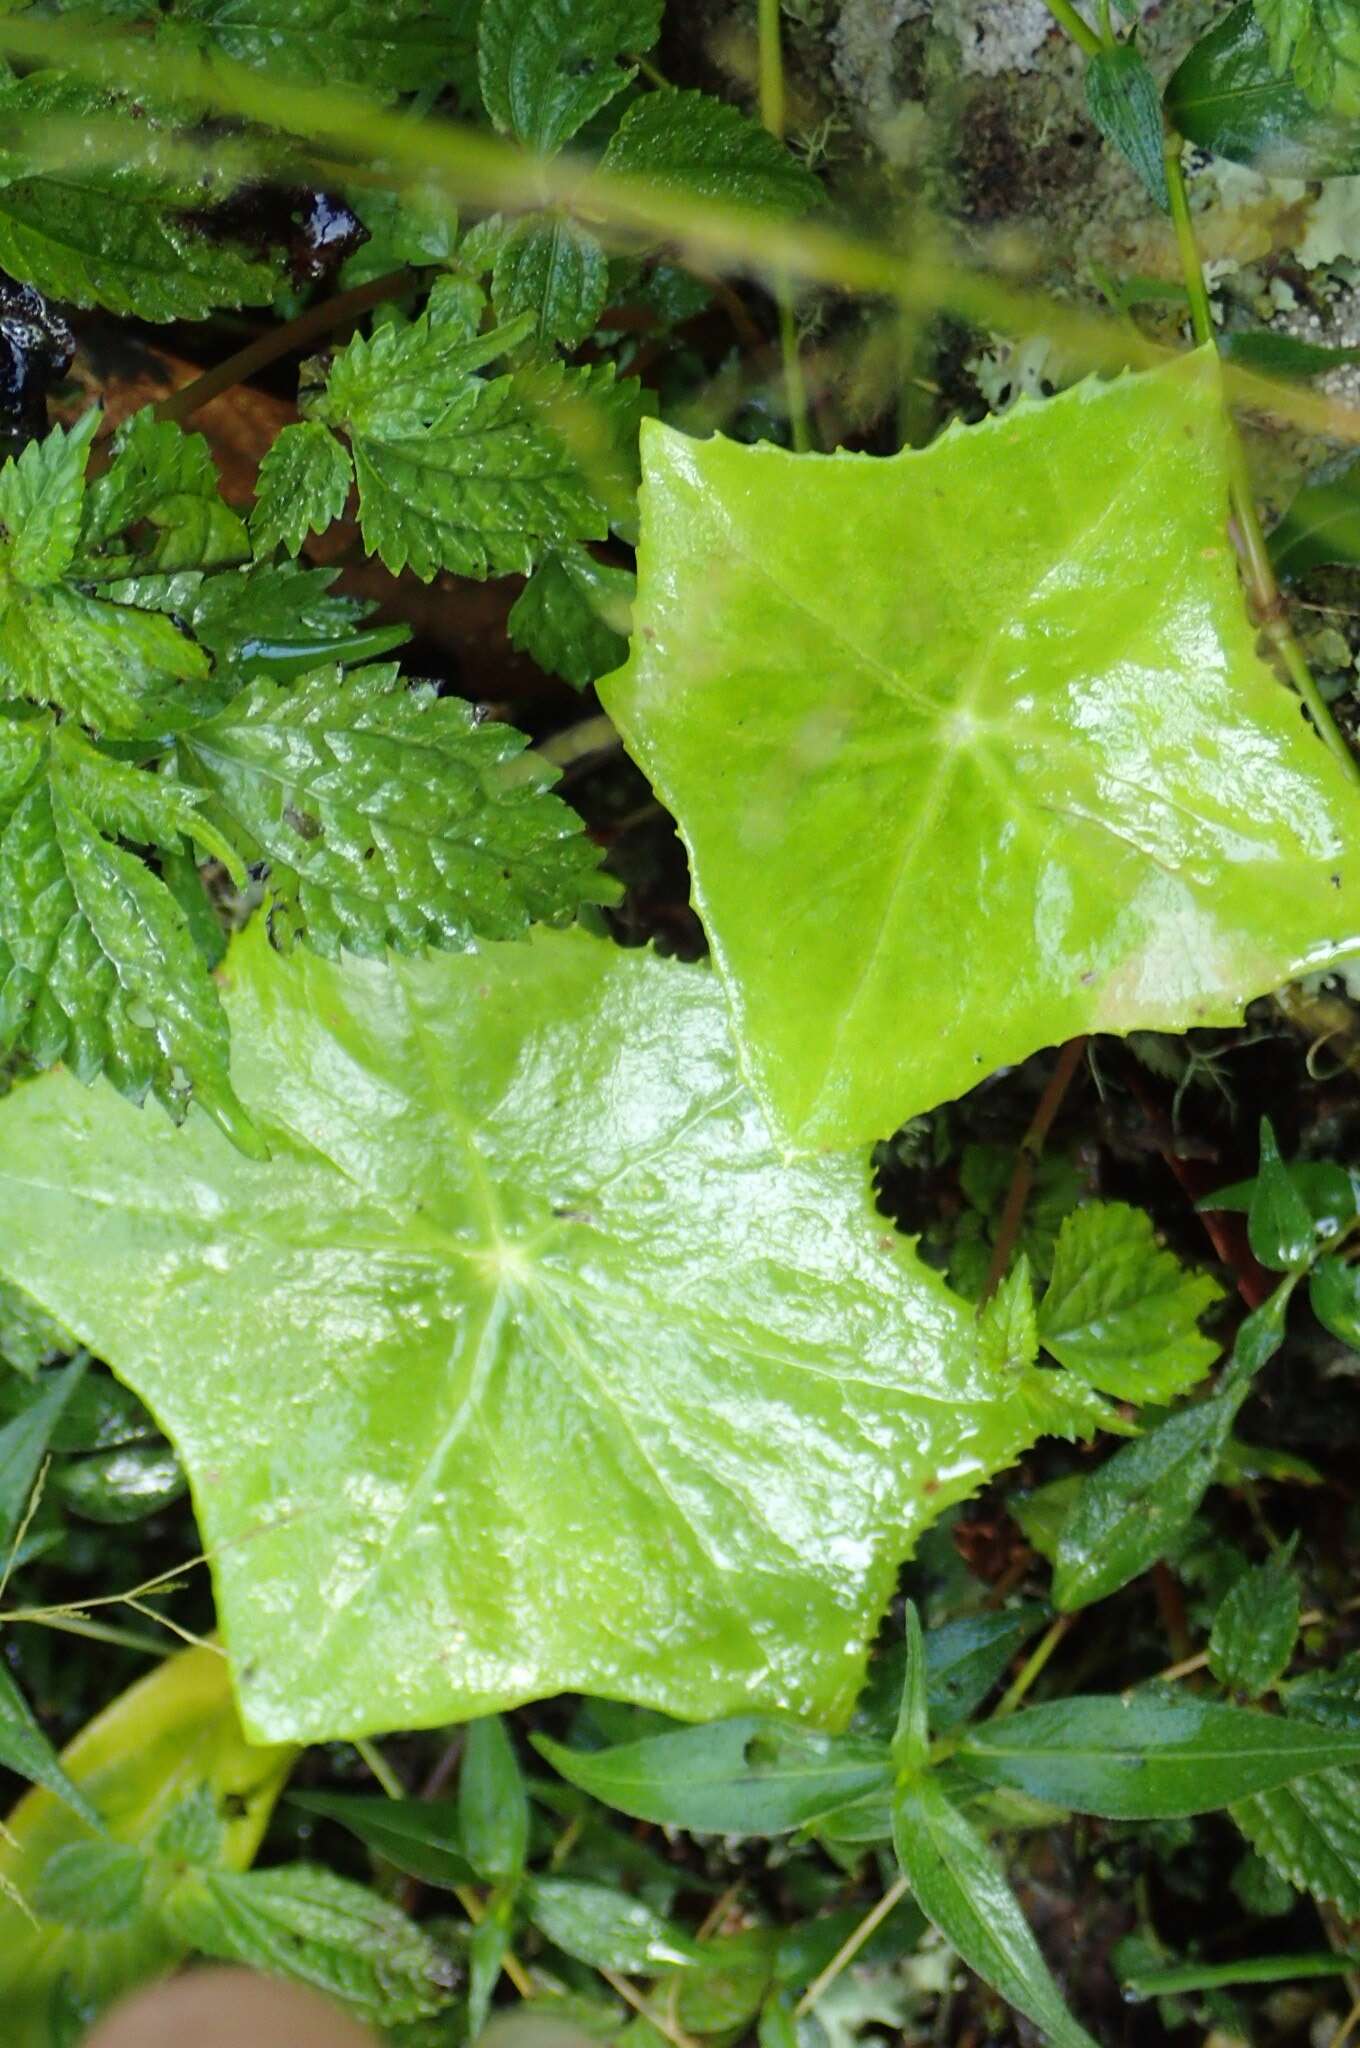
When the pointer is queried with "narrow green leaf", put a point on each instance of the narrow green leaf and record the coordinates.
(965, 1658)
(419, 1836)
(1148, 1756)
(1279, 1224)
(1180, 1977)
(605, 1928)
(493, 1807)
(1282, 355)
(302, 486)
(687, 142)
(960, 1888)
(486, 1958)
(748, 1776)
(1123, 101)
(25, 1750)
(1123, 1313)
(1320, 526)
(911, 1739)
(1256, 1627)
(24, 1444)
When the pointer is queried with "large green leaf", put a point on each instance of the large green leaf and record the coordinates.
(526, 1363)
(972, 749)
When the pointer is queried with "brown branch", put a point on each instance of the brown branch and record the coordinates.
(1027, 1159)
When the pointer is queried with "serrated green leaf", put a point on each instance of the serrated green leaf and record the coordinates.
(846, 748)
(1008, 1330)
(479, 476)
(391, 816)
(98, 966)
(26, 1751)
(573, 616)
(447, 1287)
(689, 142)
(1256, 1627)
(397, 47)
(1227, 96)
(303, 1922)
(127, 674)
(547, 65)
(605, 1928)
(747, 1776)
(170, 1734)
(1147, 1756)
(92, 1884)
(303, 483)
(959, 1886)
(556, 272)
(1123, 1313)
(1317, 42)
(41, 497)
(109, 232)
(166, 480)
(418, 1836)
(1123, 101)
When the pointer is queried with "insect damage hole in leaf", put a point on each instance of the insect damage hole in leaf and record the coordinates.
(971, 746)
(527, 1364)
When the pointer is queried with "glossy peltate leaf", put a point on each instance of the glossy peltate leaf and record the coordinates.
(166, 1739)
(959, 1885)
(687, 142)
(547, 65)
(112, 229)
(639, 1409)
(303, 483)
(391, 816)
(746, 1776)
(1227, 96)
(1148, 1756)
(1121, 1311)
(573, 616)
(1050, 749)
(1256, 1626)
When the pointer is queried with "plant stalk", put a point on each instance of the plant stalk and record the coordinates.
(1081, 32)
(1267, 601)
(1031, 1147)
(773, 113)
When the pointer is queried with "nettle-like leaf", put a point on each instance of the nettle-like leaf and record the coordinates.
(527, 1364)
(547, 66)
(1121, 1311)
(104, 230)
(689, 142)
(390, 816)
(478, 475)
(972, 748)
(397, 47)
(573, 616)
(554, 271)
(1309, 1831)
(302, 486)
(171, 1739)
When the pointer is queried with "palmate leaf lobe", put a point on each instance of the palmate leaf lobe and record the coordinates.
(525, 1364)
(972, 749)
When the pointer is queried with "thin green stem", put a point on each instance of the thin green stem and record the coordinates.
(1267, 600)
(773, 115)
(1082, 34)
(851, 1946)
(1033, 1666)
(381, 1768)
